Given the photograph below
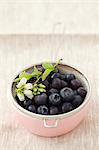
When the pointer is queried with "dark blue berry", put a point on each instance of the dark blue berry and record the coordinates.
(69, 77)
(63, 84)
(53, 110)
(42, 110)
(55, 75)
(54, 99)
(56, 83)
(67, 94)
(52, 90)
(77, 101)
(32, 108)
(75, 84)
(82, 91)
(32, 80)
(48, 78)
(46, 83)
(27, 103)
(66, 107)
(62, 76)
(59, 109)
(41, 99)
(75, 92)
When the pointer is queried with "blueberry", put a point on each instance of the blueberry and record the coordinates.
(42, 110)
(66, 107)
(48, 78)
(77, 101)
(41, 99)
(54, 99)
(32, 80)
(46, 83)
(82, 91)
(62, 76)
(56, 83)
(53, 110)
(75, 84)
(32, 108)
(55, 75)
(63, 84)
(52, 90)
(27, 103)
(67, 94)
(50, 86)
(69, 77)
(75, 92)
(59, 109)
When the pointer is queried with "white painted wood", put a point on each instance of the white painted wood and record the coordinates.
(39, 16)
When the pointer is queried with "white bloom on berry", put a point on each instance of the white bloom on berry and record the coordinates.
(21, 96)
(28, 93)
(22, 82)
(28, 86)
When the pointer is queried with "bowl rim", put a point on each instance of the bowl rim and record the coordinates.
(60, 116)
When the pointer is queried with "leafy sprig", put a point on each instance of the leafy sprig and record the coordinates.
(49, 68)
(37, 88)
(31, 91)
(28, 76)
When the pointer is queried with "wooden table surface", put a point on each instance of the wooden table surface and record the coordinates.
(39, 16)
(17, 52)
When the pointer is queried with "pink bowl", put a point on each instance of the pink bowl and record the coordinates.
(50, 126)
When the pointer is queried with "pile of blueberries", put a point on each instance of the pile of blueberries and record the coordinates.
(64, 93)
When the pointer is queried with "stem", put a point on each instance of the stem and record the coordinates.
(37, 79)
(58, 62)
(16, 80)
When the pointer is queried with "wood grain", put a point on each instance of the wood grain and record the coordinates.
(17, 52)
(39, 16)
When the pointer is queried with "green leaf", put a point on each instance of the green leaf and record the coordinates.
(36, 69)
(46, 73)
(48, 66)
(26, 75)
(37, 73)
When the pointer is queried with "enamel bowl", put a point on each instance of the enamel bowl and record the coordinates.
(51, 125)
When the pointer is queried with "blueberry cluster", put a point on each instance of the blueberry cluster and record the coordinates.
(64, 93)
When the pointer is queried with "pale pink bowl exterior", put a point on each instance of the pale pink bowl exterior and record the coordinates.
(36, 126)
(50, 126)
